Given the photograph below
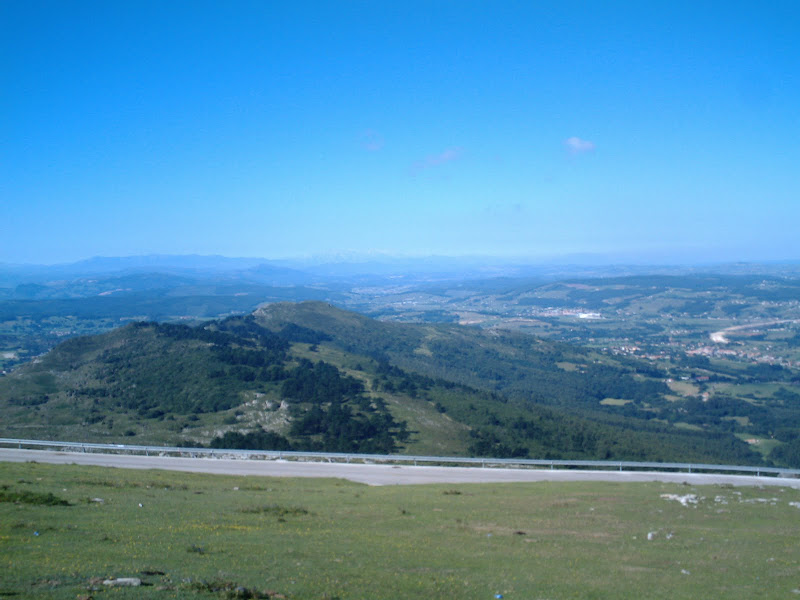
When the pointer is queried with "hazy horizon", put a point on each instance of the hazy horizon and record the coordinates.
(663, 132)
(140, 262)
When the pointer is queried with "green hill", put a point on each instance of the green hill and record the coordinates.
(310, 376)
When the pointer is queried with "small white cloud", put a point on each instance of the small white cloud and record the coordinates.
(576, 145)
(504, 210)
(435, 160)
(372, 140)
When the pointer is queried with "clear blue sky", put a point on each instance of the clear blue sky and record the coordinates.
(282, 129)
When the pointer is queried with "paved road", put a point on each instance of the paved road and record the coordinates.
(373, 474)
(720, 337)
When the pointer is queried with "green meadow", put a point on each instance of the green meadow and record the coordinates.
(64, 529)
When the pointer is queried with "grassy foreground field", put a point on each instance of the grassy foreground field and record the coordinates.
(204, 536)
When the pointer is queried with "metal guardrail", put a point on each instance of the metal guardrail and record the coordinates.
(396, 458)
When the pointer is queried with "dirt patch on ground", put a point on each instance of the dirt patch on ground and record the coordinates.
(562, 502)
(502, 530)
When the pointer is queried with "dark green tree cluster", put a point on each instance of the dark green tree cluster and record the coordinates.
(332, 413)
(787, 455)
(319, 383)
(260, 439)
(293, 332)
(184, 370)
(340, 428)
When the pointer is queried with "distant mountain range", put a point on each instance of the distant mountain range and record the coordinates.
(310, 271)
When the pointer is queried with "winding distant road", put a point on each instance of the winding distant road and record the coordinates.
(374, 474)
(720, 337)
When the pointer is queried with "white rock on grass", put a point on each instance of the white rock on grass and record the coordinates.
(684, 500)
(771, 501)
(123, 582)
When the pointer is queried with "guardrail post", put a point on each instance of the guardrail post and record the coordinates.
(620, 467)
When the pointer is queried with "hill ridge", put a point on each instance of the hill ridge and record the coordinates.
(311, 375)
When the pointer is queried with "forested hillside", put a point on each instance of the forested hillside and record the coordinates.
(310, 376)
